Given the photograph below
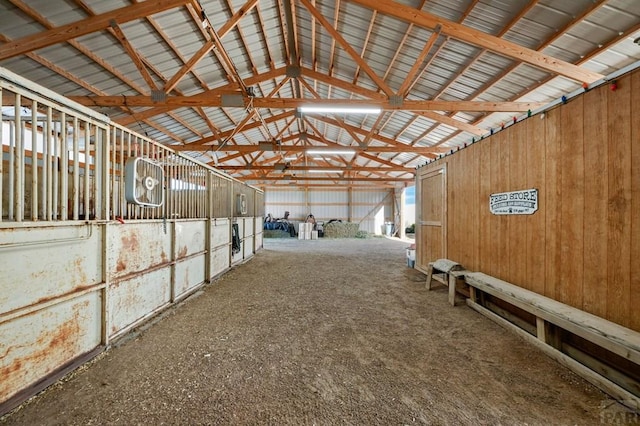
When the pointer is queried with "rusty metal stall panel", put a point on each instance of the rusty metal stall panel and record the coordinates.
(190, 256)
(220, 259)
(82, 263)
(50, 301)
(249, 236)
(258, 242)
(139, 267)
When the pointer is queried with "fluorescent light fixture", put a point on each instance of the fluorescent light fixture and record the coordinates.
(340, 109)
(325, 171)
(290, 158)
(330, 151)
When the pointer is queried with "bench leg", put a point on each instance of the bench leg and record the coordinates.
(472, 294)
(452, 290)
(429, 276)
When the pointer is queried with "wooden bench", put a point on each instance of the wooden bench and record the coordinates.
(446, 272)
(552, 319)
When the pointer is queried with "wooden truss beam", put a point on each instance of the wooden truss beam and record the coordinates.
(216, 100)
(276, 167)
(427, 151)
(479, 38)
(334, 177)
(86, 26)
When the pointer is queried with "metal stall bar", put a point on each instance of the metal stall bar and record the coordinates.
(87, 168)
(49, 142)
(76, 170)
(12, 168)
(43, 173)
(18, 196)
(122, 203)
(55, 167)
(105, 176)
(34, 160)
(112, 171)
(98, 171)
(1, 155)
(64, 168)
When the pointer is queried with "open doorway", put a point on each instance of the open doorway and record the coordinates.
(410, 211)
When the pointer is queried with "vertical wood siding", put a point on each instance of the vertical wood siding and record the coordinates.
(582, 246)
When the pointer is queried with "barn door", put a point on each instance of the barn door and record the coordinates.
(432, 217)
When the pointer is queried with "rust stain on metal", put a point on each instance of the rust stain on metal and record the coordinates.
(183, 252)
(121, 265)
(47, 299)
(130, 244)
(51, 349)
(130, 241)
(163, 256)
(80, 271)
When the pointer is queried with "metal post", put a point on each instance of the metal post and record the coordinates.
(12, 169)
(111, 171)
(76, 169)
(105, 174)
(18, 197)
(1, 155)
(34, 161)
(64, 169)
(44, 183)
(87, 169)
(98, 171)
(49, 142)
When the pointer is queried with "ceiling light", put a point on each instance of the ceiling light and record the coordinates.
(325, 171)
(340, 109)
(290, 158)
(331, 151)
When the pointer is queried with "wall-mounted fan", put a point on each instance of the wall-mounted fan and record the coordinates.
(144, 182)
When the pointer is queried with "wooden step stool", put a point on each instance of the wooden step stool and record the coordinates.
(451, 272)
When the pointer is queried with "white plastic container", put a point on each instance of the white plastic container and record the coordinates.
(411, 257)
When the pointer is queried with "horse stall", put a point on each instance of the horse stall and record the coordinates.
(543, 215)
(101, 228)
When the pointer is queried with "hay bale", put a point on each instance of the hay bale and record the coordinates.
(341, 230)
(275, 233)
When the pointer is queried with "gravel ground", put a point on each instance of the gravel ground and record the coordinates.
(320, 332)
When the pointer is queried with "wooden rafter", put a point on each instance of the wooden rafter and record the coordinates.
(332, 178)
(209, 45)
(415, 69)
(229, 88)
(133, 54)
(292, 103)
(478, 38)
(86, 26)
(347, 47)
(375, 95)
(426, 151)
(367, 38)
(327, 166)
(87, 52)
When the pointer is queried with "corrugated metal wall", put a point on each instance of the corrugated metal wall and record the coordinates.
(368, 207)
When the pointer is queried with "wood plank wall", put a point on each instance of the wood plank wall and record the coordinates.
(582, 247)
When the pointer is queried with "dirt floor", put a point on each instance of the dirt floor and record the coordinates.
(320, 332)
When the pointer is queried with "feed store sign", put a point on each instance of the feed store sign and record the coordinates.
(514, 202)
